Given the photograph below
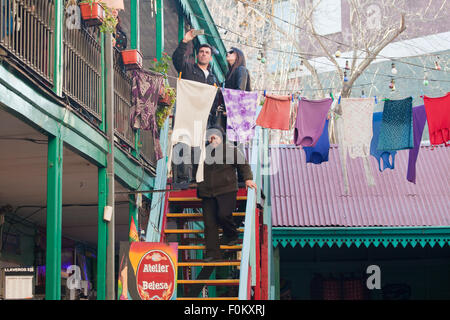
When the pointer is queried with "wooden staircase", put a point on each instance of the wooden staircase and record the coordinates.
(195, 274)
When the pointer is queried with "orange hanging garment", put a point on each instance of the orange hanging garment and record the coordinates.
(275, 112)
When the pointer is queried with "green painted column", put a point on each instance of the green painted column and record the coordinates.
(58, 53)
(159, 28)
(102, 234)
(135, 42)
(54, 218)
(180, 25)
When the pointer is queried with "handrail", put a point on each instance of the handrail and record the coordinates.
(247, 266)
(154, 227)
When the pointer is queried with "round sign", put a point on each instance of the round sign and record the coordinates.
(155, 276)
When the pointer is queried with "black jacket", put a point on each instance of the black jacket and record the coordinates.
(239, 79)
(220, 178)
(189, 70)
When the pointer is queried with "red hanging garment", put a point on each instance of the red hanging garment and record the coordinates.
(275, 112)
(438, 118)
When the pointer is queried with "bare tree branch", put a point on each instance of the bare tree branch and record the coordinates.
(391, 36)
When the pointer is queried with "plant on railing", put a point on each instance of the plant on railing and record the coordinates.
(108, 20)
(167, 94)
(164, 110)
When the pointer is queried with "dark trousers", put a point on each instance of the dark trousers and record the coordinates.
(218, 211)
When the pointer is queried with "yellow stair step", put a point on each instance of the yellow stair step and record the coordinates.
(184, 247)
(198, 215)
(193, 230)
(214, 298)
(210, 264)
(195, 199)
(211, 281)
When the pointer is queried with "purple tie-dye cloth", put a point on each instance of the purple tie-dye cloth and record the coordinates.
(241, 114)
(144, 99)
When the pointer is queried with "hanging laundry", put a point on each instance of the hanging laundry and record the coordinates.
(194, 102)
(396, 131)
(331, 124)
(438, 118)
(354, 134)
(384, 155)
(144, 99)
(241, 114)
(419, 119)
(311, 118)
(319, 153)
(275, 112)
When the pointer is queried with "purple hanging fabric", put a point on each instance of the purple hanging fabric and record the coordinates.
(144, 99)
(311, 117)
(419, 119)
(241, 114)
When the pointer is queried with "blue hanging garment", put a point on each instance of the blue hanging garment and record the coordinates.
(319, 153)
(380, 154)
(396, 131)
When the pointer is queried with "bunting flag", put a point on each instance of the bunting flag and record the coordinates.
(133, 236)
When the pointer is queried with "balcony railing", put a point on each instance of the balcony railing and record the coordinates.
(82, 68)
(148, 147)
(122, 103)
(27, 32)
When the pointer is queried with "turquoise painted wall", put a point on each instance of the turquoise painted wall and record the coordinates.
(425, 270)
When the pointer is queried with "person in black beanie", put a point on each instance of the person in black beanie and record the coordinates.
(219, 188)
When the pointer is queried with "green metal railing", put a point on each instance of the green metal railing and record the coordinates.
(122, 103)
(83, 68)
(27, 32)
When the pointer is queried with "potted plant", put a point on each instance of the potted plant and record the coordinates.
(132, 59)
(167, 94)
(96, 13)
(164, 110)
(92, 12)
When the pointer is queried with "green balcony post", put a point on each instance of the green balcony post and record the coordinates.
(159, 28)
(58, 53)
(180, 25)
(135, 42)
(102, 234)
(54, 218)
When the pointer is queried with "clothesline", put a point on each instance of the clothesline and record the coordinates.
(332, 40)
(302, 55)
(295, 91)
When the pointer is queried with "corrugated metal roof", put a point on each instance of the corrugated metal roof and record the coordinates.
(308, 195)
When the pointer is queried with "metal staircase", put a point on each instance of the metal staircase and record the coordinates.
(194, 273)
(244, 273)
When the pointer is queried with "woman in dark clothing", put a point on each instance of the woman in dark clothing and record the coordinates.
(237, 78)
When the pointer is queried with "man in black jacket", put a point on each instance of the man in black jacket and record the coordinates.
(200, 71)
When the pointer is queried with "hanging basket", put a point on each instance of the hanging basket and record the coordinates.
(92, 15)
(132, 59)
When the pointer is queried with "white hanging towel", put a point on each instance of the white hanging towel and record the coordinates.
(354, 129)
(194, 102)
